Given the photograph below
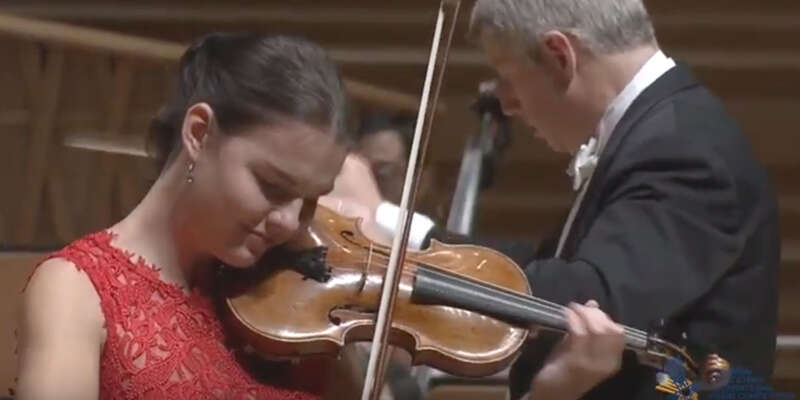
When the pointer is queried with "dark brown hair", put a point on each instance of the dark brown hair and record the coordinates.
(400, 124)
(250, 79)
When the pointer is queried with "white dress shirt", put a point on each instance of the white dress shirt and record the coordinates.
(653, 69)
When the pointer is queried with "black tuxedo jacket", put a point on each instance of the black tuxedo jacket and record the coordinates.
(679, 222)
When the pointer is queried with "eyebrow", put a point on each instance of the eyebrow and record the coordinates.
(290, 184)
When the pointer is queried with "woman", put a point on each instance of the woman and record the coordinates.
(253, 136)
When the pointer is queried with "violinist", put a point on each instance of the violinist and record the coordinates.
(253, 135)
(674, 218)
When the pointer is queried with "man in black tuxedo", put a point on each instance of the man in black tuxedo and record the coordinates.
(674, 217)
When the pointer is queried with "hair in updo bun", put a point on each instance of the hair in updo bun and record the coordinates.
(250, 79)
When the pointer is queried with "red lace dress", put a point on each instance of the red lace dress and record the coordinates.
(161, 342)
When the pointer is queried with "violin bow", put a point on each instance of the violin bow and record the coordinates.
(373, 382)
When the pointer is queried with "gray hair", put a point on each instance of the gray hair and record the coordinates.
(602, 26)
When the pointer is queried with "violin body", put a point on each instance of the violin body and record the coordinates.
(283, 311)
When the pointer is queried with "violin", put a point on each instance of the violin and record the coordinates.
(463, 309)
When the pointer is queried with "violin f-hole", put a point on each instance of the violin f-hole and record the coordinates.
(349, 313)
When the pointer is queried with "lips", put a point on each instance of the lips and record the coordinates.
(262, 235)
(269, 239)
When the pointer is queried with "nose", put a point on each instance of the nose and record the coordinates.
(286, 217)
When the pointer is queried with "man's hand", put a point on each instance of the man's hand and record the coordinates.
(590, 353)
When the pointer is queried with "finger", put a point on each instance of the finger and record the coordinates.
(590, 317)
(608, 326)
(604, 334)
(605, 341)
(575, 323)
(592, 303)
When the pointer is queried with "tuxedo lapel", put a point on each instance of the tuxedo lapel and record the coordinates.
(673, 81)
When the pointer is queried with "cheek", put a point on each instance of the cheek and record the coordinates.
(532, 106)
(540, 101)
(242, 197)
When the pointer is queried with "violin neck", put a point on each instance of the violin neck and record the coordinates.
(433, 286)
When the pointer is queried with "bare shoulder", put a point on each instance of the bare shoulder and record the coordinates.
(62, 297)
(60, 334)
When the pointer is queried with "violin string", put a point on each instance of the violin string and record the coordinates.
(542, 303)
(555, 310)
(551, 310)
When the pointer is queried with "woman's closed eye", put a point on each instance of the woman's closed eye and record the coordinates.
(274, 192)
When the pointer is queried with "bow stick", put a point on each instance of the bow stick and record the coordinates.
(373, 382)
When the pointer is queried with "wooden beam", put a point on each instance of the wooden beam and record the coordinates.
(161, 51)
(177, 13)
(722, 59)
(402, 56)
(21, 117)
(91, 39)
(764, 20)
(382, 15)
(739, 59)
(124, 145)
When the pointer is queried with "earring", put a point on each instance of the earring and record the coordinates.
(189, 177)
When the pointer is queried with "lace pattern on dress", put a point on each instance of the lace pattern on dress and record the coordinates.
(161, 342)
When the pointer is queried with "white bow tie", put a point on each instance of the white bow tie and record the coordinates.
(583, 163)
